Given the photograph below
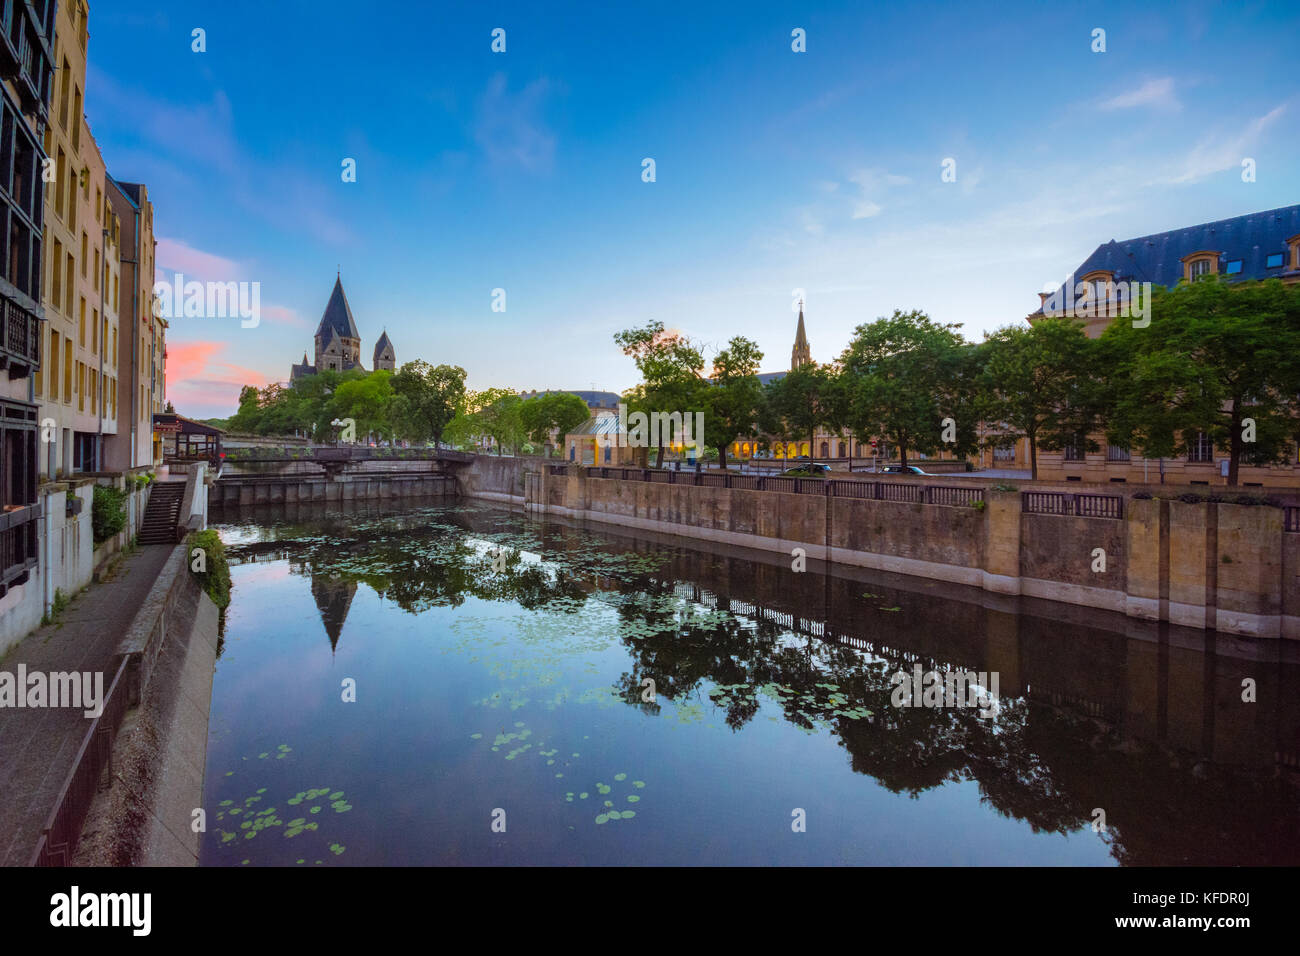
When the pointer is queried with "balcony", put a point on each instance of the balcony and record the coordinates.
(18, 544)
(9, 60)
(30, 80)
(20, 339)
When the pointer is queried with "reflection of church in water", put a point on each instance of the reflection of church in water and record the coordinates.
(333, 596)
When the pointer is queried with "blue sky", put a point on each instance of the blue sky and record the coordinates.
(775, 170)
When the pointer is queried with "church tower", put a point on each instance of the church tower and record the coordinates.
(800, 354)
(385, 356)
(338, 343)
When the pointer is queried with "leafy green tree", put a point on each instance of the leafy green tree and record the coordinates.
(249, 415)
(904, 375)
(734, 395)
(1040, 383)
(366, 401)
(1220, 358)
(494, 413)
(800, 402)
(558, 411)
(426, 399)
(671, 369)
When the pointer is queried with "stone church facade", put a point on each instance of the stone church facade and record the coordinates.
(337, 342)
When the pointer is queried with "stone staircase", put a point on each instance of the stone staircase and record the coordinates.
(162, 512)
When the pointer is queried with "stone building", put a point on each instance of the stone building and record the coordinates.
(337, 342)
(1262, 245)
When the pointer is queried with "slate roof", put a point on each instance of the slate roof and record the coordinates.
(297, 370)
(1158, 258)
(338, 316)
(381, 345)
(595, 399)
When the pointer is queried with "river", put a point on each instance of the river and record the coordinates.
(456, 683)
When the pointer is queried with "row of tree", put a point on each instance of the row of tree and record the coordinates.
(1216, 359)
(420, 403)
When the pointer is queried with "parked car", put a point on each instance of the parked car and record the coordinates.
(811, 470)
(900, 470)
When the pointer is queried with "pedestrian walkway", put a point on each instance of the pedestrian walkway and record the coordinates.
(38, 745)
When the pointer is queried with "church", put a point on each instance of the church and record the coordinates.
(338, 343)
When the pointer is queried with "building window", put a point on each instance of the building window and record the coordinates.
(1198, 268)
(54, 366)
(1234, 267)
(1007, 453)
(1274, 261)
(1202, 449)
(1117, 453)
(1074, 450)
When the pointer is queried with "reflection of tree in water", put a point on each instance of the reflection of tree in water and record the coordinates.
(1033, 762)
(1047, 766)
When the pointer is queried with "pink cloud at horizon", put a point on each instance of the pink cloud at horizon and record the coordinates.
(202, 384)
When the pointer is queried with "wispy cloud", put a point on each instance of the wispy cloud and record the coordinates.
(871, 183)
(865, 209)
(1157, 94)
(176, 255)
(201, 381)
(509, 127)
(1216, 153)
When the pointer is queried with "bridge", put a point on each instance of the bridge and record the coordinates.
(342, 473)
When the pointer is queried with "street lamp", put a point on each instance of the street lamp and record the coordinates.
(336, 425)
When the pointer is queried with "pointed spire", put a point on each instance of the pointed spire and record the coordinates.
(800, 354)
(338, 315)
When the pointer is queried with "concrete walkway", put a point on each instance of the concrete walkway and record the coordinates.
(37, 746)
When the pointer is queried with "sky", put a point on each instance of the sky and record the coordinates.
(774, 171)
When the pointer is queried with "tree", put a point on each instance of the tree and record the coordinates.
(246, 419)
(670, 367)
(495, 413)
(426, 399)
(1040, 382)
(555, 411)
(799, 403)
(734, 395)
(366, 401)
(905, 375)
(1220, 358)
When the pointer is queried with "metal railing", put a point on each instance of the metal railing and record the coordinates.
(93, 763)
(905, 492)
(1064, 503)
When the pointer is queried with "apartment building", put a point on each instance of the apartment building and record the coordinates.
(1262, 245)
(26, 68)
(78, 388)
(141, 356)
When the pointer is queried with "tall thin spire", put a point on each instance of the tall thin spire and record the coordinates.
(800, 354)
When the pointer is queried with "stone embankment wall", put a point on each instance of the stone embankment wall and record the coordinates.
(1214, 565)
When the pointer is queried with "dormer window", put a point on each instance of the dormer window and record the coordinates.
(1274, 261)
(1201, 263)
(1234, 267)
(1097, 292)
(1294, 243)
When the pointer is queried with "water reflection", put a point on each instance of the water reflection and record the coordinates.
(1141, 720)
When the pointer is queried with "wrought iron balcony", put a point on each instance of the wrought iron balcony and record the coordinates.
(18, 544)
(20, 339)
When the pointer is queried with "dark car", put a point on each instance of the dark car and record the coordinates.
(900, 470)
(811, 470)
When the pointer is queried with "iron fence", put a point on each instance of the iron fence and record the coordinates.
(92, 765)
(1064, 503)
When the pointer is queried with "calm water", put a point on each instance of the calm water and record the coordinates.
(481, 688)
